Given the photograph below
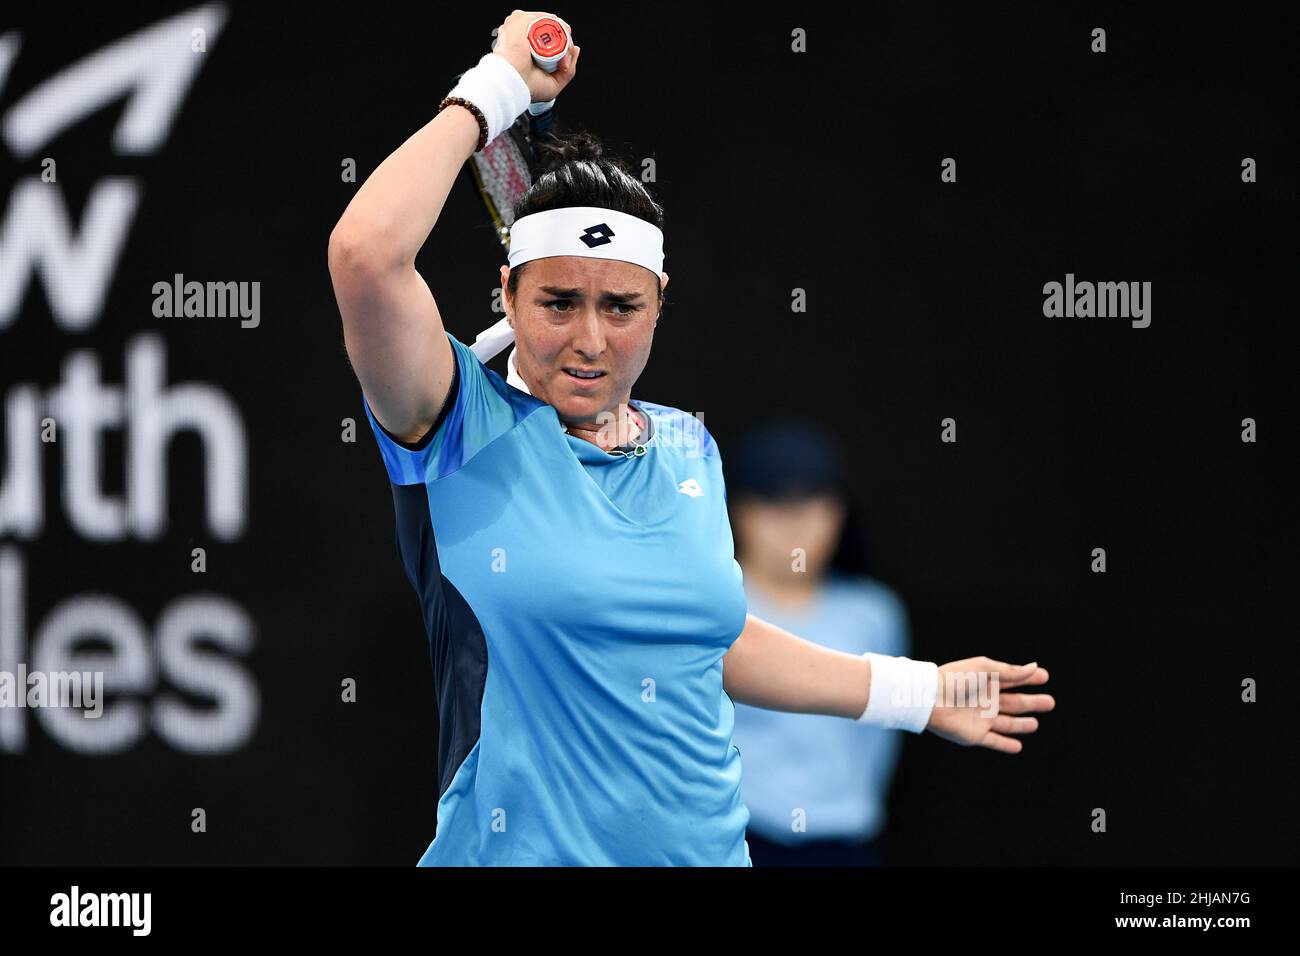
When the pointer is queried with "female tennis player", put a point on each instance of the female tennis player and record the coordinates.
(585, 612)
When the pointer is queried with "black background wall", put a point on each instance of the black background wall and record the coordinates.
(818, 171)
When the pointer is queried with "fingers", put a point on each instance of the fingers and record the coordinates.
(1025, 703)
(1006, 724)
(1039, 675)
(1006, 745)
(570, 62)
(1011, 675)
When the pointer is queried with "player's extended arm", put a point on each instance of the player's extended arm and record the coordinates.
(769, 667)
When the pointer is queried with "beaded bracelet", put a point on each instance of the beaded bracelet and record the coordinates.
(478, 115)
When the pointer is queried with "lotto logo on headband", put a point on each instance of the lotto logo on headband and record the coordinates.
(587, 231)
(595, 236)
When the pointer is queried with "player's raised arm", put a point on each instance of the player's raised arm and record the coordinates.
(391, 326)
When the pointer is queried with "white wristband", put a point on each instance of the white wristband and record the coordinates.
(496, 88)
(902, 693)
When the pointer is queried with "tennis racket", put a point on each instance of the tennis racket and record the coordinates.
(506, 167)
(503, 171)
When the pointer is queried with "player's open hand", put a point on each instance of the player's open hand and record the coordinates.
(973, 706)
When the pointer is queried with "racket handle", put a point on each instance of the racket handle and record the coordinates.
(549, 41)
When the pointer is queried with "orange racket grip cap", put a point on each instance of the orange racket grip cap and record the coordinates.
(549, 42)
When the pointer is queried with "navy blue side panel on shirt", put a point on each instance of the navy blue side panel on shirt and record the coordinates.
(457, 650)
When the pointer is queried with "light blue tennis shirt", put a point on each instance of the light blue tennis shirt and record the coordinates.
(578, 605)
(830, 773)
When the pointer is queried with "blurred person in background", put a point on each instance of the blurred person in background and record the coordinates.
(815, 786)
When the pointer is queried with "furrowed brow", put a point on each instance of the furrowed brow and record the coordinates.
(611, 296)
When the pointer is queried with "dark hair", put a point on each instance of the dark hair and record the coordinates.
(576, 170)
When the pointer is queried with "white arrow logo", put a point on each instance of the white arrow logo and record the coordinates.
(153, 68)
(690, 487)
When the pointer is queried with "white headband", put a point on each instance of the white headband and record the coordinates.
(589, 231)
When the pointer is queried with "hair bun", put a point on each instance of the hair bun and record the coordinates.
(574, 168)
(560, 148)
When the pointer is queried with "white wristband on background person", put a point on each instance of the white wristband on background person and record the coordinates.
(496, 88)
(902, 694)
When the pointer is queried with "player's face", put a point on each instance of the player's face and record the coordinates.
(573, 314)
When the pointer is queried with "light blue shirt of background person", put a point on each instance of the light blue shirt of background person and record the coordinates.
(836, 770)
